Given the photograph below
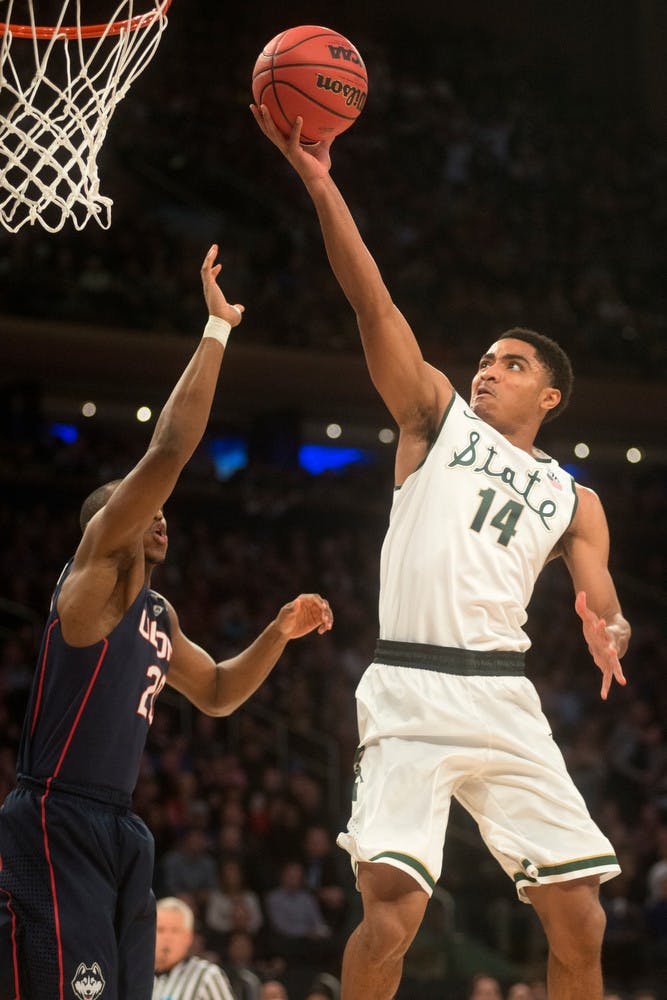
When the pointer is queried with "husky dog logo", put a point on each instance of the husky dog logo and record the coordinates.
(88, 983)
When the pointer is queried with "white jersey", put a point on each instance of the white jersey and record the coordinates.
(469, 532)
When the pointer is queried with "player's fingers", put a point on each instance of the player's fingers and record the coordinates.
(269, 126)
(581, 607)
(606, 684)
(618, 673)
(257, 115)
(295, 134)
(321, 607)
(238, 308)
(210, 257)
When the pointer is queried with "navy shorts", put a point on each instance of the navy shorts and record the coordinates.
(77, 912)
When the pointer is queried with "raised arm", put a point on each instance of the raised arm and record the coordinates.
(179, 429)
(109, 565)
(415, 393)
(586, 554)
(219, 688)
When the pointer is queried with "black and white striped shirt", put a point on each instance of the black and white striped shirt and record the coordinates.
(192, 979)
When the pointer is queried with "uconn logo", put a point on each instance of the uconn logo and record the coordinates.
(157, 638)
(156, 678)
(88, 983)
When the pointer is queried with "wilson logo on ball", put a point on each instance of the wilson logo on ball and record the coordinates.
(352, 95)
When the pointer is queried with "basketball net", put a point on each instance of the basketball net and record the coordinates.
(59, 87)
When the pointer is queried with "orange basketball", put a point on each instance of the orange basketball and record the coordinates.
(313, 72)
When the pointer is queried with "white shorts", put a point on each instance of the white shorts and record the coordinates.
(425, 736)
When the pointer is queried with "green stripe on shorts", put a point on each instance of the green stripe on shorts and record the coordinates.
(407, 860)
(578, 865)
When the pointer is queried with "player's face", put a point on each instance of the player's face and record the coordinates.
(172, 939)
(155, 540)
(511, 386)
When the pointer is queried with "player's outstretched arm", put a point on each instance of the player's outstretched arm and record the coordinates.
(219, 688)
(120, 525)
(413, 391)
(586, 554)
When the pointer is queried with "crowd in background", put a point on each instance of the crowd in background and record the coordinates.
(490, 198)
(491, 194)
(245, 811)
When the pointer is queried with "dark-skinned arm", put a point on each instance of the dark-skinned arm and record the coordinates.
(119, 526)
(415, 393)
(219, 688)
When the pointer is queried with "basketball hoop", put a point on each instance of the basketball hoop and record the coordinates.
(59, 87)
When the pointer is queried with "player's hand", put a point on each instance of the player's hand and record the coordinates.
(216, 302)
(601, 645)
(310, 160)
(304, 614)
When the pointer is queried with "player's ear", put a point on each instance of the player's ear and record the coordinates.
(551, 397)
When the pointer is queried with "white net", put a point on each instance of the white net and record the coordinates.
(57, 96)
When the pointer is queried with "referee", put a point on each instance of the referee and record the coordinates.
(178, 977)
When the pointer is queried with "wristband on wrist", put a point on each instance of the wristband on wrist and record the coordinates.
(218, 329)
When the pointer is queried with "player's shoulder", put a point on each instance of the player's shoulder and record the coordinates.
(589, 514)
(587, 498)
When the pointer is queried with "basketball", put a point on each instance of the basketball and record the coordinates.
(313, 72)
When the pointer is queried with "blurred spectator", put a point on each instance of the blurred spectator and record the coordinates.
(323, 875)
(325, 987)
(656, 923)
(190, 868)
(294, 915)
(519, 991)
(243, 977)
(273, 989)
(623, 946)
(484, 987)
(232, 906)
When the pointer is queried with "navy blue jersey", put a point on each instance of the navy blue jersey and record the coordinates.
(90, 707)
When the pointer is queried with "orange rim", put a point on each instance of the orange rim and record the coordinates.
(86, 30)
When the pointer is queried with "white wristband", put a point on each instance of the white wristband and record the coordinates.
(218, 329)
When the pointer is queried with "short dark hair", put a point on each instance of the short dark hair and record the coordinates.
(95, 501)
(552, 357)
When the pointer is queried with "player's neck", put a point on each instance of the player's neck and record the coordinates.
(522, 436)
(524, 440)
